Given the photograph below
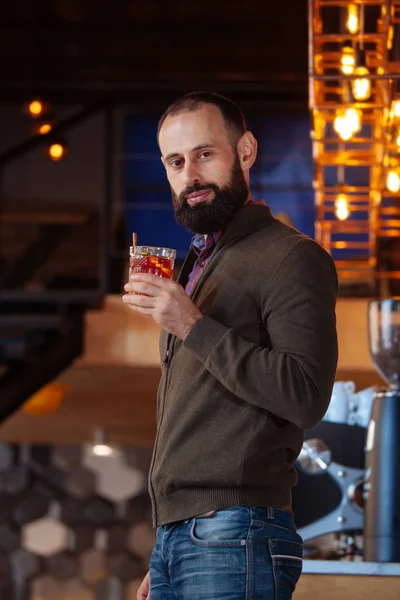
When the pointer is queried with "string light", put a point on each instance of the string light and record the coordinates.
(342, 210)
(56, 151)
(35, 108)
(43, 126)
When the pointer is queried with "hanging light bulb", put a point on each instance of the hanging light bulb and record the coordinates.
(353, 117)
(361, 87)
(395, 110)
(398, 140)
(101, 445)
(347, 122)
(342, 127)
(342, 210)
(348, 59)
(352, 21)
(390, 37)
(393, 180)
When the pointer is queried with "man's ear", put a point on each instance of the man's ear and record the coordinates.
(163, 162)
(247, 150)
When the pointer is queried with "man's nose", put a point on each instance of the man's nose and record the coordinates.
(191, 174)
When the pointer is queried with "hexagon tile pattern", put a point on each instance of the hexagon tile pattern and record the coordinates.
(96, 545)
(45, 537)
(93, 566)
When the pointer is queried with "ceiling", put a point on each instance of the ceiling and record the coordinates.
(78, 50)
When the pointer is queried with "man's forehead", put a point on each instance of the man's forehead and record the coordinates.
(201, 126)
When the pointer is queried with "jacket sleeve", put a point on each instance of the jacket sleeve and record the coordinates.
(293, 378)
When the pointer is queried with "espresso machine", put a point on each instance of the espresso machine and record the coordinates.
(382, 477)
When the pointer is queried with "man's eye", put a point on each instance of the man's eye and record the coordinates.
(176, 163)
(206, 154)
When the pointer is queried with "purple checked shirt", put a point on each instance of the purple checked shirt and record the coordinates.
(203, 246)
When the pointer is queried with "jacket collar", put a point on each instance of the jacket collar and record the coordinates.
(248, 219)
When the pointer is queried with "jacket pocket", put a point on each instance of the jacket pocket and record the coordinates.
(287, 563)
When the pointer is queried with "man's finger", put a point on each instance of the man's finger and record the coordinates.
(149, 278)
(139, 300)
(140, 287)
(141, 309)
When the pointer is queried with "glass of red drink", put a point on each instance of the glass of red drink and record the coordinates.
(150, 259)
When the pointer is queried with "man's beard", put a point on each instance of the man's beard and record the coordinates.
(213, 216)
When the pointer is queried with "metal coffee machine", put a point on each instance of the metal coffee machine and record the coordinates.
(382, 480)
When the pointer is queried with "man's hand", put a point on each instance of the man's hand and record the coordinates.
(143, 592)
(164, 300)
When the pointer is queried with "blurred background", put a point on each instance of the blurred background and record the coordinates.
(82, 86)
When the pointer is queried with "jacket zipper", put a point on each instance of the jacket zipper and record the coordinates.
(165, 361)
(165, 365)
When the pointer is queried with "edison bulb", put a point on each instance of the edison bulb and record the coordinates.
(393, 181)
(352, 21)
(395, 110)
(342, 210)
(398, 140)
(348, 60)
(353, 116)
(361, 88)
(343, 127)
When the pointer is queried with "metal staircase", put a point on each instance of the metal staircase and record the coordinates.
(54, 265)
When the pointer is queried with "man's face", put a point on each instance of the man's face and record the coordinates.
(204, 172)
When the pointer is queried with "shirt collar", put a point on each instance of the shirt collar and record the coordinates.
(202, 242)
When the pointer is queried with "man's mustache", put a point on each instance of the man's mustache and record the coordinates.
(197, 187)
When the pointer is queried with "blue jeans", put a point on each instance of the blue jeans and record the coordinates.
(242, 553)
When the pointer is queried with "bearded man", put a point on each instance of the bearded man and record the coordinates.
(248, 353)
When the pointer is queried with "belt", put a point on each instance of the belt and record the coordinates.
(210, 513)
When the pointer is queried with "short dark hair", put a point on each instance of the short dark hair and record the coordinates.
(231, 113)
